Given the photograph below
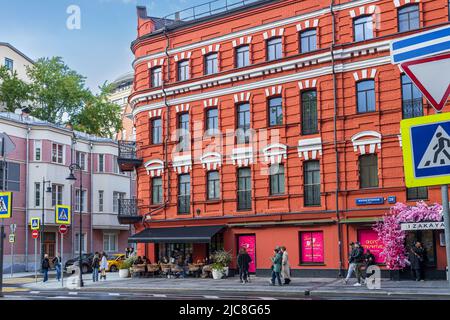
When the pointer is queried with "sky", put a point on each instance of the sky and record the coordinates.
(99, 49)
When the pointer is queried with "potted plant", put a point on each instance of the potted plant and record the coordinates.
(220, 267)
(124, 269)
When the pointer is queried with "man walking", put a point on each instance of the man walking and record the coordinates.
(95, 267)
(57, 263)
(359, 260)
(45, 266)
(351, 263)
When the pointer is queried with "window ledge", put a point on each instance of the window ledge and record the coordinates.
(311, 264)
(277, 197)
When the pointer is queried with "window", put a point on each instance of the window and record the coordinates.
(101, 163)
(365, 95)
(276, 179)
(243, 123)
(83, 242)
(368, 171)
(242, 56)
(9, 64)
(363, 28)
(81, 159)
(10, 173)
(57, 194)
(274, 50)
(101, 198)
(308, 41)
(110, 242)
(184, 193)
(309, 112)
(116, 168)
(57, 153)
(183, 131)
(244, 189)
(211, 64)
(155, 77)
(411, 99)
(183, 70)
(37, 150)
(311, 177)
(275, 112)
(417, 193)
(212, 120)
(213, 185)
(80, 199)
(37, 194)
(408, 18)
(116, 197)
(157, 192)
(156, 131)
(311, 247)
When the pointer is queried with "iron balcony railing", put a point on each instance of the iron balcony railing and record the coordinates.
(412, 108)
(128, 150)
(129, 208)
(206, 10)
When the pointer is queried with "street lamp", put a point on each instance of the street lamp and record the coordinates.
(72, 179)
(49, 190)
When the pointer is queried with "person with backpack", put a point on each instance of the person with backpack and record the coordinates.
(57, 263)
(243, 261)
(359, 260)
(95, 267)
(45, 266)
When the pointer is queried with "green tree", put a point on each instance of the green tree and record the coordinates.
(14, 92)
(56, 90)
(99, 116)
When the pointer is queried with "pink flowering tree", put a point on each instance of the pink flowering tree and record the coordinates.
(391, 235)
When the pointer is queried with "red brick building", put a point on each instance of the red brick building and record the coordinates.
(312, 84)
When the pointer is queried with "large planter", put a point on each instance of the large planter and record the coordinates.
(124, 273)
(217, 274)
(227, 271)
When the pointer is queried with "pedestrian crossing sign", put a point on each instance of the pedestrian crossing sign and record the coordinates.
(35, 223)
(62, 214)
(5, 205)
(426, 150)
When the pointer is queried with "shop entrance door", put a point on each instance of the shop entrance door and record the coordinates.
(50, 244)
(249, 242)
(426, 237)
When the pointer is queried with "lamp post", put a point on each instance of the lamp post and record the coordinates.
(49, 190)
(72, 178)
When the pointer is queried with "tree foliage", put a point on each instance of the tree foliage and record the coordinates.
(99, 116)
(14, 92)
(58, 94)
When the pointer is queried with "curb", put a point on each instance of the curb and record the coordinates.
(380, 294)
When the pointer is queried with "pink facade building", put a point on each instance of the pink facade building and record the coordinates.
(36, 173)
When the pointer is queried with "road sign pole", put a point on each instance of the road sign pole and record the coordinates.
(445, 213)
(62, 259)
(12, 259)
(35, 259)
(2, 232)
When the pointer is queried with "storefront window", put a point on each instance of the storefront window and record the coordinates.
(172, 250)
(216, 243)
(369, 241)
(426, 237)
(311, 247)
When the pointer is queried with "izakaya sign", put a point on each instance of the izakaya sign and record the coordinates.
(422, 226)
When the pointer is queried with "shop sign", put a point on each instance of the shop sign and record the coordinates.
(312, 247)
(422, 226)
(366, 201)
(369, 240)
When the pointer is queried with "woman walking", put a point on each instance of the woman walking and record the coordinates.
(276, 266)
(243, 261)
(103, 266)
(285, 268)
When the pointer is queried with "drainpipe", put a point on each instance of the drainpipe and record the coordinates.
(336, 151)
(27, 202)
(166, 138)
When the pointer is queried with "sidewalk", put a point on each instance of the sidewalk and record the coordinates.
(313, 287)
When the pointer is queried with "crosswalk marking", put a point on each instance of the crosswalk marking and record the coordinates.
(114, 294)
(35, 292)
(267, 298)
(160, 296)
(211, 297)
(73, 293)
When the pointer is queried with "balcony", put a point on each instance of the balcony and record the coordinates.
(129, 157)
(128, 211)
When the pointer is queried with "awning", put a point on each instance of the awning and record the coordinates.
(198, 234)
